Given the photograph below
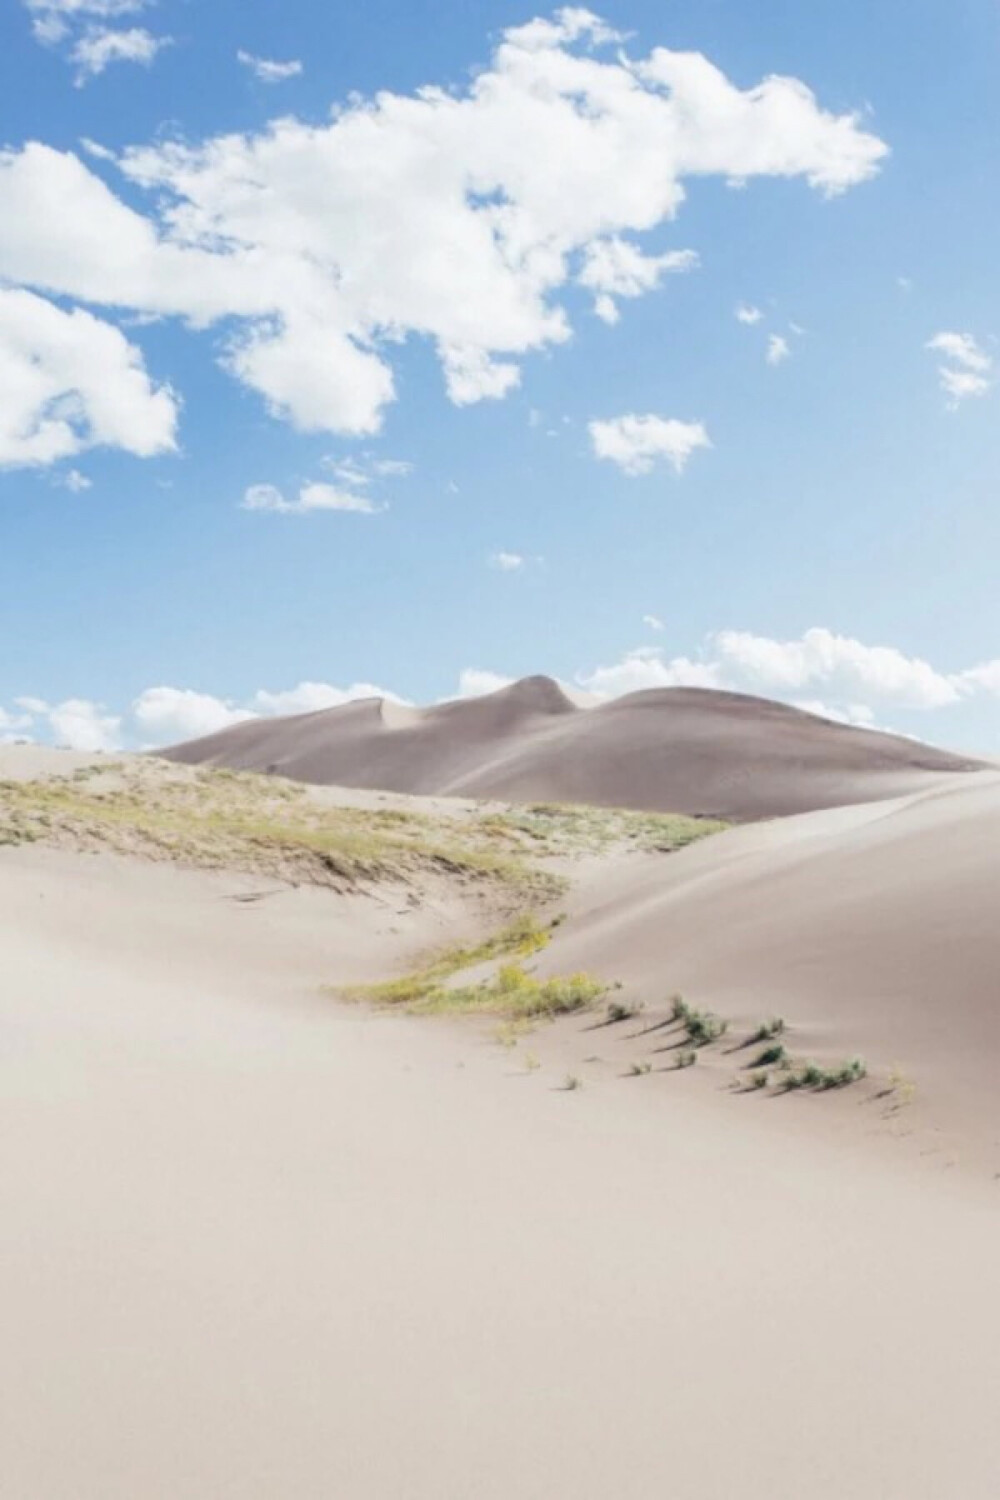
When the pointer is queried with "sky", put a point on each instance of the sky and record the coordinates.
(410, 349)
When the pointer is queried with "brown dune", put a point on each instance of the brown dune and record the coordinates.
(674, 749)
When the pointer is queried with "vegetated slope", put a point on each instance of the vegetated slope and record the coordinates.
(871, 930)
(687, 750)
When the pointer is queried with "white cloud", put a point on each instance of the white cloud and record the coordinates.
(635, 443)
(311, 697)
(475, 682)
(358, 472)
(457, 217)
(843, 676)
(967, 367)
(101, 46)
(615, 267)
(167, 715)
(311, 497)
(747, 314)
(12, 725)
(52, 20)
(778, 349)
(645, 667)
(76, 482)
(69, 381)
(652, 622)
(853, 713)
(507, 562)
(266, 70)
(80, 724)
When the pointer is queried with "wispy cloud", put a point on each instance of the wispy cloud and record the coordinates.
(266, 70)
(966, 368)
(311, 498)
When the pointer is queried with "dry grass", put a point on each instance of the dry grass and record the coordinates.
(220, 819)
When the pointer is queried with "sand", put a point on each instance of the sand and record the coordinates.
(685, 750)
(256, 1243)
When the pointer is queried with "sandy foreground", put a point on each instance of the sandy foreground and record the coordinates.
(255, 1243)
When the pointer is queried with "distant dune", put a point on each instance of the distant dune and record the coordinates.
(674, 749)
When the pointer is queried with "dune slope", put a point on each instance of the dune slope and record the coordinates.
(871, 929)
(677, 749)
(253, 1243)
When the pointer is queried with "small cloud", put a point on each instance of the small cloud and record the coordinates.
(636, 443)
(75, 482)
(778, 349)
(266, 70)
(652, 622)
(311, 497)
(507, 562)
(359, 472)
(966, 369)
(904, 283)
(101, 46)
(747, 314)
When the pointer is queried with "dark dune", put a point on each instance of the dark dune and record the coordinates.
(674, 749)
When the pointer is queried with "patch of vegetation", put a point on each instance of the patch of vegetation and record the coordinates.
(572, 1081)
(812, 1076)
(221, 819)
(620, 1010)
(516, 994)
(774, 1056)
(685, 1058)
(522, 937)
(768, 1030)
(760, 1080)
(702, 1026)
(639, 1069)
(566, 828)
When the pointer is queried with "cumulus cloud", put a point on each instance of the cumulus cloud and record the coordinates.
(79, 724)
(459, 217)
(652, 622)
(266, 70)
(966, 368)
(636, 444)
(311, 497)
(747, 314)
(101, 46)
(69, 381)
(170, 715)
(834, 674)
(166, 715)
(778, 349)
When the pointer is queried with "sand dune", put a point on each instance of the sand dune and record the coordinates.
(256, 1242)
(871, 929)
(676, 749)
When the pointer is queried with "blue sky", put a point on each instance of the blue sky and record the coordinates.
(303, 394)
